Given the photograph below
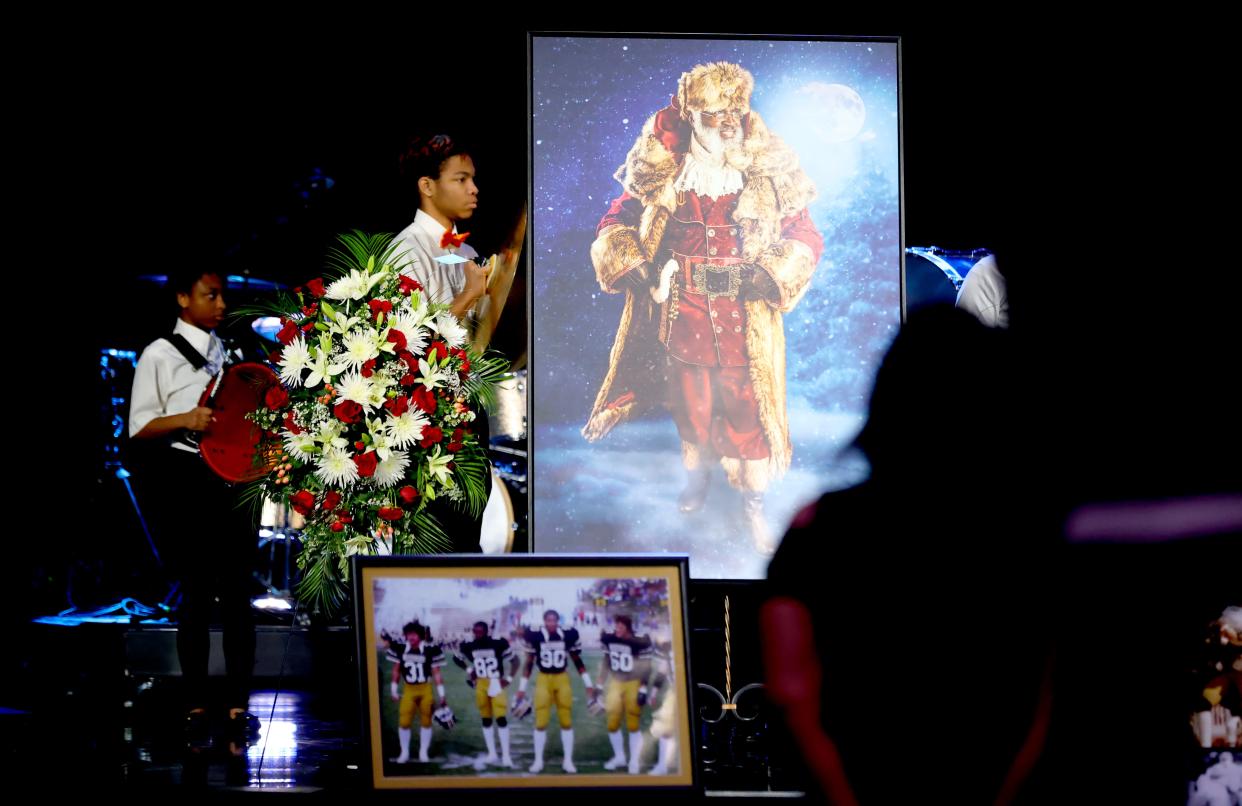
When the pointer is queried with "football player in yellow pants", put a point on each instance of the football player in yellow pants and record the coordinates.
(552, 649)
(418, 662)
(626, 666)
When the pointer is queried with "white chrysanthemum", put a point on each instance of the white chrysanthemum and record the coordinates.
(354, 285)
(348, 287)
(407, 429)
(358, 389)
(336, 468)
(411, 326)
(358, 348)
(392, 470)
(294, 358)
(302, 446)
(450, 329)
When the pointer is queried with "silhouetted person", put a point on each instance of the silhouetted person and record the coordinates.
(907, 636)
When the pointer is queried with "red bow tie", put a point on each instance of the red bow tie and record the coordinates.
(450, 241)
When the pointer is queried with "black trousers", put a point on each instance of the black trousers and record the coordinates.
(209, 546)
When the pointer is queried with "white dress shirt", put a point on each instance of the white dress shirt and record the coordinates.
(418, 246)
(165, 383)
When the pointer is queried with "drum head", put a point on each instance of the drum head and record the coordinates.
(228, 447)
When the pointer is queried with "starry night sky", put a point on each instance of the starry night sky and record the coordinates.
(591, 97)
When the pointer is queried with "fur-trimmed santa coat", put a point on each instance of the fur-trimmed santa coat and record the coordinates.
(774, 191)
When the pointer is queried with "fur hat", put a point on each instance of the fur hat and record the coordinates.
(714, 86)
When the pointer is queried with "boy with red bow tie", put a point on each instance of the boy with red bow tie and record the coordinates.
(443, 172)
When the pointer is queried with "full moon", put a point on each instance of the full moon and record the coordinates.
(834, 113)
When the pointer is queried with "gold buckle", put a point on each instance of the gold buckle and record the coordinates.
(706, 280)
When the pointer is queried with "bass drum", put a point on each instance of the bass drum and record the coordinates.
(499, 519)
(934, 276)
(229, 445)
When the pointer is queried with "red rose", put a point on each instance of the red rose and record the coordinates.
(347, 411)
(453, 447)
(437, 348)
(457, 432)
(391, 513)
(408, 358)
(292, 424)
(360, 446)
(310, 310)
(465, 366)
(379, 306)
(408, 494)
(316, 287)
(274, 356)
(408, 284)
(303, 501)
(337, 527)
(408, 379)
(424, 399)
(330, 501)
(431, 435)
(343, 516)
(397, 338)
(368, 368)
(288, 333)
(276, 397)
(366, 464)
(308, 327)
(398, 405)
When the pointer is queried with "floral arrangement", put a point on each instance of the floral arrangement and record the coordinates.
(372, 418)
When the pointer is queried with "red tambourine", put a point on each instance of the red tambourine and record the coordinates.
(228, 447)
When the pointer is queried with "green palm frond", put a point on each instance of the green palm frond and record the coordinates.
(358, 249)
(486, 371)
(429, 536)
(279, 305)
(250, 499)
(322, 586)
(470, 469)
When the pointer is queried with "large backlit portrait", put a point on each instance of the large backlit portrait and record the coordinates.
(715, 272)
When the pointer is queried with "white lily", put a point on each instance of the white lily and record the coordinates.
(380, 442)
(320, 371)
(360, 544)
(438, 467)
(432, 377)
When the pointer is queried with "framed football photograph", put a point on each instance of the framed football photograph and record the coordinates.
(535, 671)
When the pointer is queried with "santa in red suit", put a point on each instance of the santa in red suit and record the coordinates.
(711, 243)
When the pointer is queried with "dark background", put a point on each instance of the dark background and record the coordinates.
(1085, 156)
